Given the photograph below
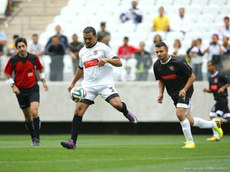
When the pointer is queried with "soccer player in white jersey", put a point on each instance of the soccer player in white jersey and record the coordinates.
(96, 61)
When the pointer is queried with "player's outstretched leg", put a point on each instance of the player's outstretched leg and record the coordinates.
(76, 126)
(121, 106)
(214, 124)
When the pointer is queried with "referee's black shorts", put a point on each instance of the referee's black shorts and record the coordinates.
(28, 95)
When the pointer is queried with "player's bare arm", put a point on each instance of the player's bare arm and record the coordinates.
(114, 61)
(205, 90)
(77, 76)
(190, 81)
(161, 91)
(221, 90)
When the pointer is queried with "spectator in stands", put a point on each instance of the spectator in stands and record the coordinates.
(161, 23)
(62, 38)
(3, 39)
(195, 54)
(1, 50)
(144, 63)
(126, 51)
(226, 46)
(225, 29)
(157, 38)
(74, 49)
(214, 50)
(11, 50)
(180, 23)
(103, 35)
(35, 47)
(56, 50)
(177, 50)
(128, 76)
(134, 14)
(3, 42)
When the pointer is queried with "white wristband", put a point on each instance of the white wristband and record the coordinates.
(11, 82)
(42, 76)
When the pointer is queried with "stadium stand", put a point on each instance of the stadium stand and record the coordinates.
(205, 16)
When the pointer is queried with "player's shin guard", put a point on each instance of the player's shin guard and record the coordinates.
(124, 109)
(186, 128)
(30, 127)
(76, 125)
(37, 126)
(201, 123)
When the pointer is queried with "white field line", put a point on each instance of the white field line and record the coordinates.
(106, 160)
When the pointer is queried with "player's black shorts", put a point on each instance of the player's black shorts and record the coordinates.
(27, 96)
(183, 102)
(221, 109)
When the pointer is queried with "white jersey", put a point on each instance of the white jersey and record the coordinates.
(89, 59)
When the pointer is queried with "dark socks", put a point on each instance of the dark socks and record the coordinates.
(37, 123)
(124, 109)
(76, 125)
(30, 128)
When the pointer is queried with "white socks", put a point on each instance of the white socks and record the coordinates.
(215, 134)
(201, 123)
(186, 128)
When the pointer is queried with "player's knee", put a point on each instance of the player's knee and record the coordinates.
(180, 114)
(118, 105)
(79, 111)
(34, 112)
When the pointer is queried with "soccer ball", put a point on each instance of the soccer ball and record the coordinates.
(77, 93)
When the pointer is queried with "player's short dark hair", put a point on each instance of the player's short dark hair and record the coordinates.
(89, 29)
(20, 40)
(103, 23)
(126, 38)
(226, 18)
(161, 44)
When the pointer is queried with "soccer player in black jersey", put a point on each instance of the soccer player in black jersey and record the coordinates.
(24, 85)
(177, 76)
(218, 84)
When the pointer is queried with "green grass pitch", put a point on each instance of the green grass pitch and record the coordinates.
(114, 153)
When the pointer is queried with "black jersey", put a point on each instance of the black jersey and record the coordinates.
(216, 81)
(174, 73)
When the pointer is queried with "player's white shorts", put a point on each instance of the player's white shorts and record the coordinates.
(107, 92)
(183, 103)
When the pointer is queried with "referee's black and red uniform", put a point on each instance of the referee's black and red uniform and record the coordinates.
(25, 77)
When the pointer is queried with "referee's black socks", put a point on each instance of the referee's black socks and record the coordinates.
(76, 125)
(37, 124)
(30, 128)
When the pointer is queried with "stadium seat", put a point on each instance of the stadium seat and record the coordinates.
(174, 35)
(193, 10)
(200, 27)
(205, 18)
(211, 9)
(189, 36)
(184, 3)
(217, 2)
(199, 2)
(164, 3)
